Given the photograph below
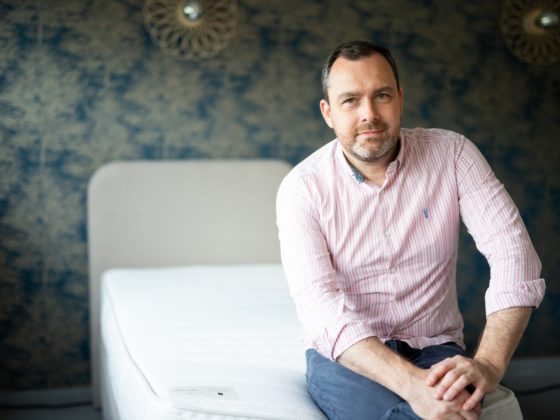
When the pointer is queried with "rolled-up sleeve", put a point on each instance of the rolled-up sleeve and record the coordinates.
(329, 327)
(494, 222)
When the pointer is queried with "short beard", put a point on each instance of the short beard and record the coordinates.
(364, 154)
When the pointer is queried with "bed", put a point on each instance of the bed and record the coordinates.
(189, 308)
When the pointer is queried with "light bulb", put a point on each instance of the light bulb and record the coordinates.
(192, 9)
(548, 19)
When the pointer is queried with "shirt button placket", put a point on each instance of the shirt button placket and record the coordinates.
(387, 233)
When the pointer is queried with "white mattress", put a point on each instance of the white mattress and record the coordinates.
(202, 342)
(210, 342)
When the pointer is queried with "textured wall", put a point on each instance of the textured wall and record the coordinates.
(81, 84)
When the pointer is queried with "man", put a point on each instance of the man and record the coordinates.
(368, 227)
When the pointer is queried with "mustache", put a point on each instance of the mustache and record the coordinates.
(370, 127)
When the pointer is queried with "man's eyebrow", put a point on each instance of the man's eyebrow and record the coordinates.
(385, 89)
(349, 94)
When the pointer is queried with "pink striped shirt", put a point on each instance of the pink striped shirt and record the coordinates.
(363, 260)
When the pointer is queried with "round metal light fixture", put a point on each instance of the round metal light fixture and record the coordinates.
(531, 30)
(191, 29)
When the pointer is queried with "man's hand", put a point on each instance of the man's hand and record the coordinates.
(500, 337)
(451, 377)
(421, 399)
(372, 359)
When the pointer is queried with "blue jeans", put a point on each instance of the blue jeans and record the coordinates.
(345, 395)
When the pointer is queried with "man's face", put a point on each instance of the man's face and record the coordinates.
(364, 107)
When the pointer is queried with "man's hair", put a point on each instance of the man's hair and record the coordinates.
(354, 50)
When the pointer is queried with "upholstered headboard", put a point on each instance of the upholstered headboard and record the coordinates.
(169, 213)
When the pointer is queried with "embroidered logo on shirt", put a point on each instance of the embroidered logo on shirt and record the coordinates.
(426, 214)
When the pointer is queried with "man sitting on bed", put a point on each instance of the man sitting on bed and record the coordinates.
(368, 228)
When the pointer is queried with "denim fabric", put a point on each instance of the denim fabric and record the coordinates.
(345, 395)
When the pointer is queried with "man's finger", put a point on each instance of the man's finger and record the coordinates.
(456, 387)
(469, 415)
(474, 399)
(445, 383)
(438, 371)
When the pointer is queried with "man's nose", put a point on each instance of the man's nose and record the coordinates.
(369, 111)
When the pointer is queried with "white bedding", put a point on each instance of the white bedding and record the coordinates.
(205, 342)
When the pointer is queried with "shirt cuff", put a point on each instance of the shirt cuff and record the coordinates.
(527, 293)
(348, 335)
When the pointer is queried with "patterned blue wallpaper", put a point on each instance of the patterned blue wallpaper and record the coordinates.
(82, 84)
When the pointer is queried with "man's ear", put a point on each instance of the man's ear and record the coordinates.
(326, 112)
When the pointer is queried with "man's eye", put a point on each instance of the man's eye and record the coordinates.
(383, 96)
(349, 101)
